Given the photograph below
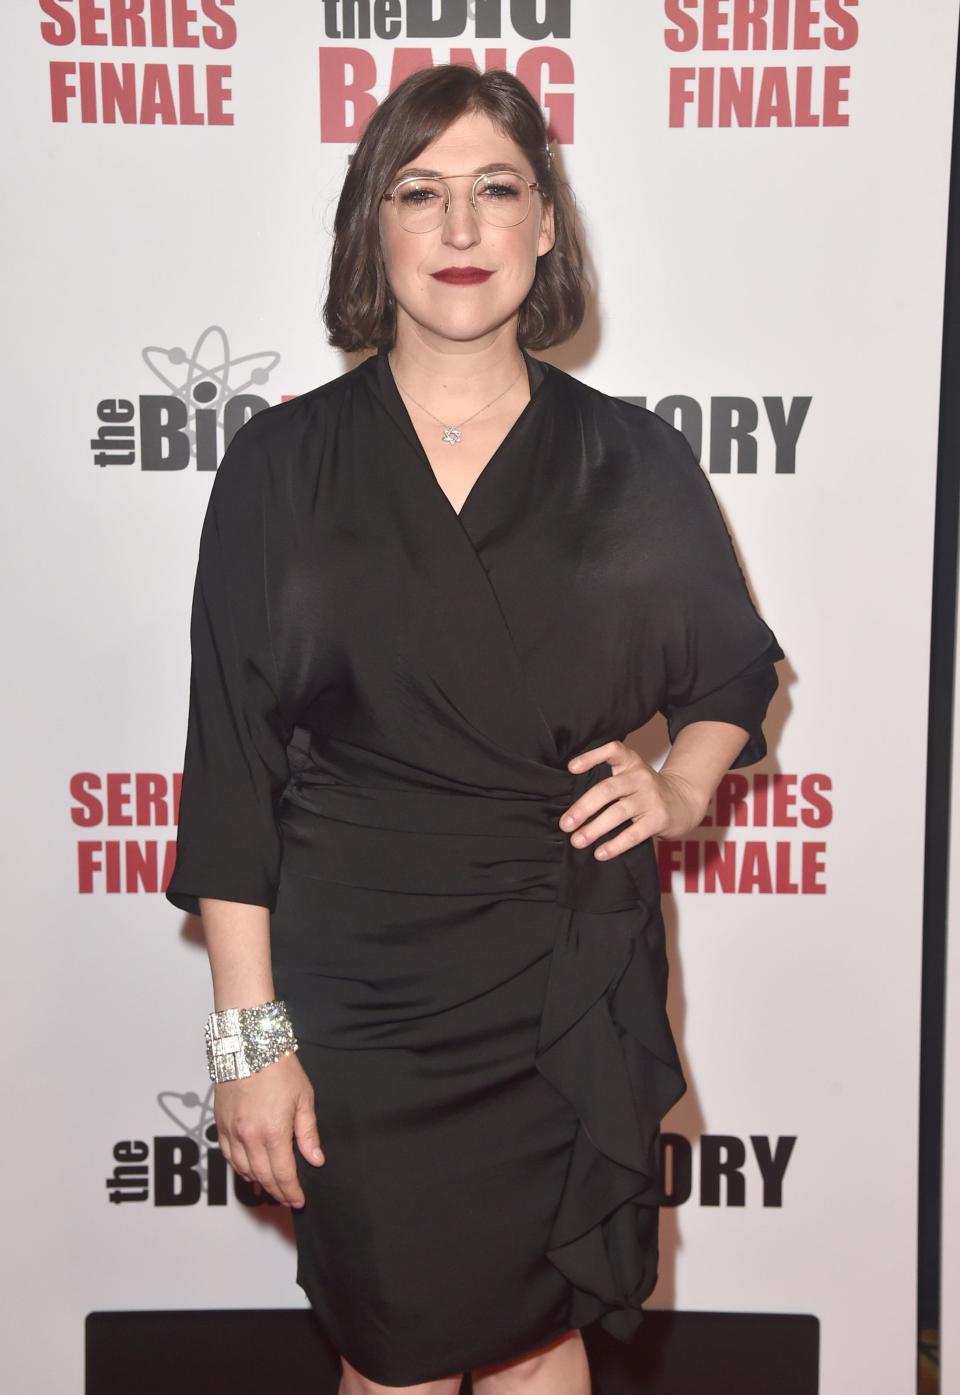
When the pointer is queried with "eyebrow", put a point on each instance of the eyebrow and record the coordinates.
(414, 172)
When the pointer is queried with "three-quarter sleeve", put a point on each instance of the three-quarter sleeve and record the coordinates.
(719, 654)
(235, 764)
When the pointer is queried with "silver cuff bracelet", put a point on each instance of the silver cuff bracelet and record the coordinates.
(241, 1041)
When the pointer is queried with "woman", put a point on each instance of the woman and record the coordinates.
(432, 596)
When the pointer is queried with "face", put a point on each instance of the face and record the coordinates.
(447, 311)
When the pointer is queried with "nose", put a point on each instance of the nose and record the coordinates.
(461, 224)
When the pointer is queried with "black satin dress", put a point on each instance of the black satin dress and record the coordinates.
(384, 695)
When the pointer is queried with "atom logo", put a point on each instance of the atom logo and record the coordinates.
(202, 377)
(195, 1119)
(208, 395)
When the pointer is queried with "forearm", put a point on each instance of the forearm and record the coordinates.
(238, 947)
(700, 757)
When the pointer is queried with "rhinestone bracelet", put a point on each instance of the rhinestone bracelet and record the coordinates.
(241, 1041)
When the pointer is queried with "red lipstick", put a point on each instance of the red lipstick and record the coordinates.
(462, 275)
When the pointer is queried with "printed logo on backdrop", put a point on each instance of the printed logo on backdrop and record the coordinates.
(91, 87)
(523, 36)
(733, 853)
(208, 397)
(808, 90)
(105, 808)
(185, 1167)
(742, 439)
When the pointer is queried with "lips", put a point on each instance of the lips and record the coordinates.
(462, 275)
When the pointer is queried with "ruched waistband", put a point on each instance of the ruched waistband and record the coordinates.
(447, 842)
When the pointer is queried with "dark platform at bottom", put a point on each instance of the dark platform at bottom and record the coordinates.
(244, 1351)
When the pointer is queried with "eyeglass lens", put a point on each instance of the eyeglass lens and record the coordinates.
(502, 199)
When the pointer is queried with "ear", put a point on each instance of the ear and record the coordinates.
(547, 230)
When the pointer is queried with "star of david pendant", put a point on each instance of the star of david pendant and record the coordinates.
(452, 435)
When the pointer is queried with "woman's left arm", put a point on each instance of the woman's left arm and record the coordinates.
(717, 656)
(668, 802)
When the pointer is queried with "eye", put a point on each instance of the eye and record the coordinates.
(499, 190)
(416, 195)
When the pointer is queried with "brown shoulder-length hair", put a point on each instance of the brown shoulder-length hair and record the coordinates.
(359, 310)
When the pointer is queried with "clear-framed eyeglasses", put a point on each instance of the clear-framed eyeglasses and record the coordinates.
(501, 198)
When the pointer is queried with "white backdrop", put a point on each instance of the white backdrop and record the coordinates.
(793, 271)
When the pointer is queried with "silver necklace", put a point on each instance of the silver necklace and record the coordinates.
(453, 435)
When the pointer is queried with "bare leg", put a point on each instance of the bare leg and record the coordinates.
(558, 1369)
(353, 1383)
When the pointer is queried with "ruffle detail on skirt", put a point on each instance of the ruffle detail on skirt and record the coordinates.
(605, 1043)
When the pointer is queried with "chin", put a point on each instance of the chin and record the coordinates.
(462, 328)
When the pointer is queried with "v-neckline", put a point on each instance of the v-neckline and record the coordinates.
(537, 372)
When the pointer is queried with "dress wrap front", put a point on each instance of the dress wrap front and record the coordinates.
(384, 696)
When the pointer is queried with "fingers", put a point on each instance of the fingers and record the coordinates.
(268, 1159)
(587, 759)
(642, 827)
(255, 1135)
(598, 796)
(305, 1130)
(643, 824)
(283, 1183)
(635, 794)
(235, 1154)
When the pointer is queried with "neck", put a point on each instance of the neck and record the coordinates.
(458, 375)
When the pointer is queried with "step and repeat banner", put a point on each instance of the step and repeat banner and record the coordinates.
(764, 190)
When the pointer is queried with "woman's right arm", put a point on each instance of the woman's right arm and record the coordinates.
(256, 1116)
(234, 772)
(238, 947)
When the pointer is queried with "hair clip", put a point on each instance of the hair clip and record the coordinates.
(549, 152)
